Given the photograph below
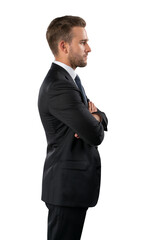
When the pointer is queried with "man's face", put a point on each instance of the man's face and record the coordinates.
(78, 48)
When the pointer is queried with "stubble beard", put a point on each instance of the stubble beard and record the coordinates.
(76, 61)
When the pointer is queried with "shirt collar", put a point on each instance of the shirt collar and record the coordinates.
(67, 68)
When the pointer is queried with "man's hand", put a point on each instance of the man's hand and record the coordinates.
(92, 108)
(76, 135)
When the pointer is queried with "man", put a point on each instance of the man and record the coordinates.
(74, 128)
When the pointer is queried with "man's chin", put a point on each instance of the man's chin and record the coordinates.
(79, 64)
(83, 64)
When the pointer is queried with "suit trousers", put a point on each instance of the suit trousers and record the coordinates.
(65, 223)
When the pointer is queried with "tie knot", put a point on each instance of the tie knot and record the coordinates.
(77, 79)
(78, 82)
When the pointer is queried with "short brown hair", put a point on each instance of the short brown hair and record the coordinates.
(60, 29)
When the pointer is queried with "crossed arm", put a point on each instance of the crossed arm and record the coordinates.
(65, 105)
(92, 109)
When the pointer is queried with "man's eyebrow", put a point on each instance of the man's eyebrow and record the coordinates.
(84, 40)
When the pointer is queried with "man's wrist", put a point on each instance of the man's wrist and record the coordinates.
(97, 116)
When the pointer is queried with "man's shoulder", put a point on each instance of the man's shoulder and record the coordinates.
(55, 74)
(57, 77)
(57, 71)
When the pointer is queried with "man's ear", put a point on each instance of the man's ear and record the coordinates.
(64, 47)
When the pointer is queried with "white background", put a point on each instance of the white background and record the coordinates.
(113, 81)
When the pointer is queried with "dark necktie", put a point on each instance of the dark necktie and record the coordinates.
(78, 82)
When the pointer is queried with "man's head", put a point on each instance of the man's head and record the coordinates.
(67, 39)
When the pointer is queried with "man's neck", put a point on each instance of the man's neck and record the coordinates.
(66, 62)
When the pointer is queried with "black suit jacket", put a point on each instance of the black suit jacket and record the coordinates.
(71, 175)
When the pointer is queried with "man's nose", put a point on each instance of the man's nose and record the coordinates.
(88, 49)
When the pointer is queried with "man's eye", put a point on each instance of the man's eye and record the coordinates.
(83, 43)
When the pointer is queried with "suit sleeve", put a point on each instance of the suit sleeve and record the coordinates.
(65, 104)
(104, 119)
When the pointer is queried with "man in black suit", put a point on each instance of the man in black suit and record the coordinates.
(74, 128)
